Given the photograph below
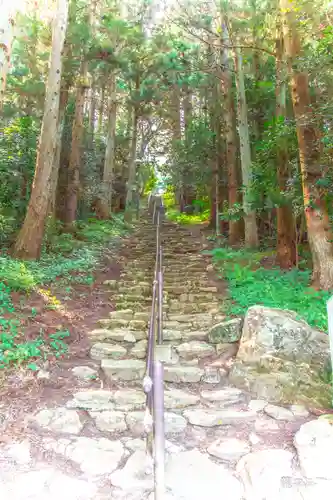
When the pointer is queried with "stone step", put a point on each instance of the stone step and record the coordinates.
(186, 276)
(123, 369)
(133, 370)
(188, 307)
(200, 296)
(135, 306)
(185, 283)
(184, 254)
(182, 267)
(117, 335)
(196, 321)
(106, 350)
(192, 308)
(134, 298)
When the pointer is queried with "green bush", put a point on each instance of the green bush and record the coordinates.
(65, 254)
(68, 257)
(169, 199)
(250, 284)
(182, 218)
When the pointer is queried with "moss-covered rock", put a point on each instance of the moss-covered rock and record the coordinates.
(226, 331)
(282, 359)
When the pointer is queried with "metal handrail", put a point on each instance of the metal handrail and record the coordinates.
(153, 383)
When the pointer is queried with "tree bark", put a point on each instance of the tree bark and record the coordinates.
(188, 191)
(250, 222)
(132, 166)
(286, 237)
(101, 110)
(92, 113)
(214, 165)
(235, 229)
(30, 238)
(75, 154)
(176, 138)
(105, 201)
(132, 155)
(316, 214)
(92, 95)
(55, 169)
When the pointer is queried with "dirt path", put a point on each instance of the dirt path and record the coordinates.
(82, 435)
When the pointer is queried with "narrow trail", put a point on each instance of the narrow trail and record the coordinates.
(91, 445)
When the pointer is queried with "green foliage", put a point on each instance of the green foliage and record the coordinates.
(265, 191)
(169, 198)
(14, 349)
(250, 284)
(192, 154)
(16, 274)
(231, 213)
(68, 259)
(148, 178)
(17, 163)
(182, 218)
(79, 255)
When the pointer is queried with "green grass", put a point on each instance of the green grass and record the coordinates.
(251, 284)
(67, 256)
(67, 259)
(14, 349)
(182, 218)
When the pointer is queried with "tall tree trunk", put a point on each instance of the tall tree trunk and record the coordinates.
(6, 39)
(101, 110)
(214, 161)
(29, 241)
(92, 113)
(62, 182)
(75, 155)
(74, 168)
(92, 94)
(188, 190)
(176, 138)
(316, 214)
(124, 169)
(66, 84)
(60, 126)
(286, 238)
(105, 201)
(132, 166)
(235, 229)
(187, 107)
(215, 180)
(250, 222)
(132, 155)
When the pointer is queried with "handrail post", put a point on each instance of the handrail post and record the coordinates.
(160, 300)
(154, 210)
(159, 440)
(153, 382)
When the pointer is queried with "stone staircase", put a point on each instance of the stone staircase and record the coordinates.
(191, 309)
(220, 442)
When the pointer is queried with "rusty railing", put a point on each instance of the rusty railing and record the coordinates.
(153, 382)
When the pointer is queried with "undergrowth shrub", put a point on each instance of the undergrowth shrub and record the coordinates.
(69, 258)
(251, 284)
(64, 255)
(14, 348)
(182, 218)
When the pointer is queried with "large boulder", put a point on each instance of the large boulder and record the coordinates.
(282, 359)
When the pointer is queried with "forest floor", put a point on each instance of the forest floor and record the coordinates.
(68, 425)
(46, 310)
